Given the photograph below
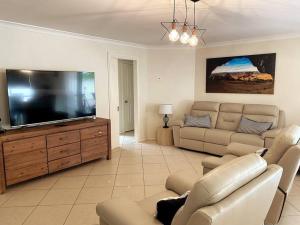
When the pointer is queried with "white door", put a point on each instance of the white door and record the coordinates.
(126, 95)
(114, 101)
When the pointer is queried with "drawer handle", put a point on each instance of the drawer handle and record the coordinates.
(100, 132)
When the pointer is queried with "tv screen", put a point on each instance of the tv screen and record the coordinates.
(37, 97)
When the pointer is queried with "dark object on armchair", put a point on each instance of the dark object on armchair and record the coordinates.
(167, 208)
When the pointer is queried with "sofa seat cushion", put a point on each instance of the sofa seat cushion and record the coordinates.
(216, 136)
(249, 139)
(193, 133)
(214, 162)
(149, 204)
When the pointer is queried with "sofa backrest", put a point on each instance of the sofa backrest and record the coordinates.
(220, 183)
(227, 116)
(203, 108)
(262, 113)
(230, 115)
(286, 139)
(248, 205)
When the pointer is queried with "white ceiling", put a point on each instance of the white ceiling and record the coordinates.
(138, 21)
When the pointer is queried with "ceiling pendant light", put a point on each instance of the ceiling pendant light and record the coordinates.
(194, 39)
(174, 35)
(185, 38)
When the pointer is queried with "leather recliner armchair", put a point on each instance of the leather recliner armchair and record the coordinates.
(229, 195)
(284, 152)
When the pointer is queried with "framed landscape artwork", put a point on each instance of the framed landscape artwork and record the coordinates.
(250, 74)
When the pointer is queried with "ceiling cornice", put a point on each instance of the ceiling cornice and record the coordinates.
(33, 28)
(52, 31)
(253, 40)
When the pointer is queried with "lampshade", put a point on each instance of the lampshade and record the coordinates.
(165, 109)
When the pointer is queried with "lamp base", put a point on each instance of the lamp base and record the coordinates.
(166, 120)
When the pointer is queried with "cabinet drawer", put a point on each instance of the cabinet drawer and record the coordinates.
(64, 163)
(98, 144)
(94, 148)
(25, 159)
(25, 145)
(93, 132)
(63, 151)
(23, 174)
(62, 138)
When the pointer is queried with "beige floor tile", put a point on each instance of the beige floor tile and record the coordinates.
(154, 189)
(131, 147)
(155, 168)
(152, 152)
(14, 215)
(103, 169)
(26, 198)
(60, 197)
(295, 201)
(131, 160)
(82, 170)
(127, 169)
(7, 195)
(100, 181)
(295, 190)
(129, 180)
(70, 182)
(134, 192)
(49, 215)
(83, 215)
(290, 210)
(156, 179)
(42, 183)
(178, 167)
(290, 220)
(94, 195)
(153, 159)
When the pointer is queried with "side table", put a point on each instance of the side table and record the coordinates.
(164, 136)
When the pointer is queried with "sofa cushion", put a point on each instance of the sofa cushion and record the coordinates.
(253, 127)
(229, 116)
(217, 136)
(203, 108)
(197, 121)
(249, 139)
(214, 162)
(262, 113)
(193, 133)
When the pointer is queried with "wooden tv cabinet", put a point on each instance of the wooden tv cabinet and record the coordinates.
(28, 153)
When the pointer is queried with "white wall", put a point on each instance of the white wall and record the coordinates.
(25, 48)
(287, 77)
(171, 76)
(22, 47)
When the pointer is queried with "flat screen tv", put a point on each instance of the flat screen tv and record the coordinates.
(39, 97)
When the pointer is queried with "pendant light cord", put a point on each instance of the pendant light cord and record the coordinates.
(194, 15)
(174, 9)
(186, 12)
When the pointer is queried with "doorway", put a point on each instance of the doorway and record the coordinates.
(126, 100)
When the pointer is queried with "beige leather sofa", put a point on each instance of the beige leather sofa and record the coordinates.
(229, 195)
(225, 118)
(284, 152)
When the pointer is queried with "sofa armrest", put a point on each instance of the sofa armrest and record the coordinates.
(181, 182)
(239, 149)
(178, 123)
(124, 212)
(271, 133)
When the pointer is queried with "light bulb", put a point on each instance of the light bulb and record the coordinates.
(193, 40)
(184, 39)
(174, 35)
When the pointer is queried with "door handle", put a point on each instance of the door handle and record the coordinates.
(126, 101)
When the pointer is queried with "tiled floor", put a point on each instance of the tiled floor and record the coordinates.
(136, 171)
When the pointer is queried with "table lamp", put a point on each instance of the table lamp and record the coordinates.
(165, 109)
